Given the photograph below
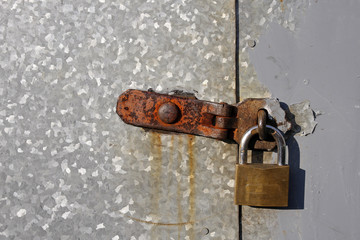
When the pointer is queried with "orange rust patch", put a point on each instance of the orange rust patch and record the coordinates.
(141, 108)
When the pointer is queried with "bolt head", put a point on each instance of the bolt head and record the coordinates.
(169, 112)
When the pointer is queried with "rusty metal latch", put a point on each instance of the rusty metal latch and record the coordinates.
(192, 116)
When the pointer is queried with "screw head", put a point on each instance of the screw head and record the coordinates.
(169, 112)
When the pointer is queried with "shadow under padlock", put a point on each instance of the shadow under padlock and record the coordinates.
(296, 195)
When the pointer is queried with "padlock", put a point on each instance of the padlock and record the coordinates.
(262, 185)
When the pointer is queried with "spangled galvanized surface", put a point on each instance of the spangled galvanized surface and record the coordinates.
(69, 166)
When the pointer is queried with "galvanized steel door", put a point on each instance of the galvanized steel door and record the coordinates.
(70, 168)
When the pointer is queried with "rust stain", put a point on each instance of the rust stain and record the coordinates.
(178, 190)
(171, 154)
(192, 167)
(282, 5)
(156, 165)
(159, 223)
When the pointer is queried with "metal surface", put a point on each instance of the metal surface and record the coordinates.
(69, 167)
(277, 136)
(188, 115)
(317, 61)
(262, 185)
(169, 112)
(142, 108)
(262, 116)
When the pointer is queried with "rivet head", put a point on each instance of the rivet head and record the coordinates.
(169, 112)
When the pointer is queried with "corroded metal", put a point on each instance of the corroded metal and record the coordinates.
(192, 116)
(141, 108)
(262, 116)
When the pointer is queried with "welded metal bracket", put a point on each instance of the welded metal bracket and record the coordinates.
(192, 116)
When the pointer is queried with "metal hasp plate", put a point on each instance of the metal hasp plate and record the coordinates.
(174, 113)
(192, 116)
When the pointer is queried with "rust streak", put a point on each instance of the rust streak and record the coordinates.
(282, 5)
(178, 190)
(171, 156)
(156, 165)
(159, 223)
(192, 167)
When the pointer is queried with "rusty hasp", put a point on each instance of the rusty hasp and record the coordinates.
(173, 113)
(192, 116)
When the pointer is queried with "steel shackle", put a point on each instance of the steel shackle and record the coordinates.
(278, 137)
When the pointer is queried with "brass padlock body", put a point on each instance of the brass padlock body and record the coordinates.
(263, 185)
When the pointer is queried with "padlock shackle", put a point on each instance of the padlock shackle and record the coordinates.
(278, 137)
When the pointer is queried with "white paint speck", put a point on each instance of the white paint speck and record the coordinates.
(187, 77)
(69, 59)
(95, 174)
(116, 237)
(262, 21)
(231, 183)
(137, 67)
(91, 9)
(65, 215)
(82, 171)
(82, 91)
(100, 226)
(72, 147)
(49, 37)
(159, 88)
(21, 212)
(205, 41)
(244, 64)
(209, 55)
(8, 130)
(125, 209)
(168, 26)
(11, 119)
(142, 26)
(122, 7)
(23, 99)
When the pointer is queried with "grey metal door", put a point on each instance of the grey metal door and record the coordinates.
(70, 169)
